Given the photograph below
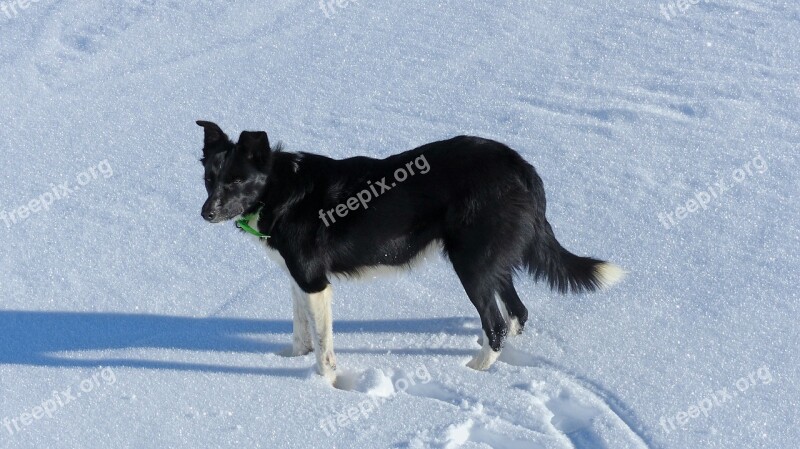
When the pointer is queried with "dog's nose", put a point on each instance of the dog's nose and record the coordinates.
(208, 215)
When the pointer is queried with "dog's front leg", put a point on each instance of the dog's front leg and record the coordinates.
(320, 326)
(301, 337)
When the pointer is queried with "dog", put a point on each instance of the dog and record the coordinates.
(475, 199)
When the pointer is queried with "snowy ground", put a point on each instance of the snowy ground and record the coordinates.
(128, 322)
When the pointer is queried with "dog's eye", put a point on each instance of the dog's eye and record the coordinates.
(238, 181)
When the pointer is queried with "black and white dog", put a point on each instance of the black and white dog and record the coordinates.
(476, 199)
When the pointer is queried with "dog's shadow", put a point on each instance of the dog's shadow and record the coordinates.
(42, 338)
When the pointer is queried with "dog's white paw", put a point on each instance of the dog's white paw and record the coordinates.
(301, 346)
(484, 359)
(327, 373)
(514, 328)
(297, 351)
(294, 351)
(326, 366)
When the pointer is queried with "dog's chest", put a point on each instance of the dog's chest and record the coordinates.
(272, 253)
(276, 257)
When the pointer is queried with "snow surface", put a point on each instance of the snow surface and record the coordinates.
(170, 328)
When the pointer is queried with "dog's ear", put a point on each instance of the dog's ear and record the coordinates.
(255, 145)
(213, 134)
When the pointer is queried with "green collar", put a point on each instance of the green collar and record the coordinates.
(244, 224)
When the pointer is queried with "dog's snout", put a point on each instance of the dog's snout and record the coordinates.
(209, 215)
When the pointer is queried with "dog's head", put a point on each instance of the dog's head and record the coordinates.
(235, 174)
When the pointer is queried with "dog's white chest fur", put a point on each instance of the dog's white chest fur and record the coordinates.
(272, 253)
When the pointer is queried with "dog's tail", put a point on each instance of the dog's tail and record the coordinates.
(545, 258)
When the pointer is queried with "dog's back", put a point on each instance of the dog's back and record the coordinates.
(430, 193)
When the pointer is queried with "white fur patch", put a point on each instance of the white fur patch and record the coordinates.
(301, 336)
(272, 253)
(514, 328)
(320, 326)
(485, 357)
(390, 270)
(275, 256)
(608, 274)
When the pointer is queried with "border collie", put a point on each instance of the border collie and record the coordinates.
(476, 199)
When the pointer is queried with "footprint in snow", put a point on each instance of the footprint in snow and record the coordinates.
(555, 411)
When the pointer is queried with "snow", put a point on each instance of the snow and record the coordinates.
(170, 328)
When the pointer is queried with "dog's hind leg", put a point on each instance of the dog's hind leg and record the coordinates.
(481, 289)
(494, 328)
(481, 245)
(517, 314)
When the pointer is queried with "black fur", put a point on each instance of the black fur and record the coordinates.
(480, 200)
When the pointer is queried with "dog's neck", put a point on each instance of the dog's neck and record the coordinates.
(277, 196)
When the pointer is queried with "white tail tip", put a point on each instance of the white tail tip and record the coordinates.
(608, 274)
